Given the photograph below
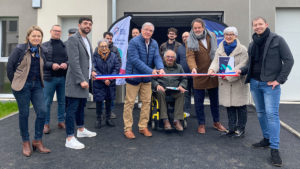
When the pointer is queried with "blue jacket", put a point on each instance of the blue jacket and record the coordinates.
(110, 66)
(181, 58)
(139, 61)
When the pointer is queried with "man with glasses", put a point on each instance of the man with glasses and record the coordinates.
(55, 77)
(177, 86)
(171, 43)
(143, 58)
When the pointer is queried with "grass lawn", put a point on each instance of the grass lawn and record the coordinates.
(7, 108)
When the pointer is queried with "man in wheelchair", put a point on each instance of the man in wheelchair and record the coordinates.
(173, 86)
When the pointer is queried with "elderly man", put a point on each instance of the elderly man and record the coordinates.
(160, 84)
(143, 58)
(201, 48)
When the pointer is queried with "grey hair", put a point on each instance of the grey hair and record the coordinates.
(148, 24)
(103, 40)
(171, 51)
(231, 29)
(55, 25)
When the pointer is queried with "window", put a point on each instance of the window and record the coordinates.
(9, 35)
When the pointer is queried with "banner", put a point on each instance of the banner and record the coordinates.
(120, 31)
(216, 27)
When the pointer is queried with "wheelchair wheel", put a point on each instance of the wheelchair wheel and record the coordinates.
(153, 126)
(185, 123)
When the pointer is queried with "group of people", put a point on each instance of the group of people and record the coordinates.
(70, 69)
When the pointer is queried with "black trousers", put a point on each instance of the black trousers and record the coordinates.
(237, 117)
(99, 107)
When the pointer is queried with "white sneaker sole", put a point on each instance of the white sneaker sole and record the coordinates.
(80, 136)
(76, 148)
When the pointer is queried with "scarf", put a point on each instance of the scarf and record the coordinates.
(104, 53)
(259, 44)
(193, 42)
(35, 50)
(228, 48)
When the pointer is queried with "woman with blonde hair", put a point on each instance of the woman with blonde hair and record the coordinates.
(25, 71)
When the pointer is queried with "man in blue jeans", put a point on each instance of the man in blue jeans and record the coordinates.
(55, 77)
(270, 62)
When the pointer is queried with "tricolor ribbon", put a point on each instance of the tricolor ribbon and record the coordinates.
(123, 76)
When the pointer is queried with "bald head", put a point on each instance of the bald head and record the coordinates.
(185, 36)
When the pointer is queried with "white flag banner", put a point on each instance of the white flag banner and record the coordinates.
(120, 30)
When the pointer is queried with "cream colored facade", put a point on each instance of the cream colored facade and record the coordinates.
(57, 11)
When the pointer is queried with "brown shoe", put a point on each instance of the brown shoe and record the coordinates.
(167, 125)
(46, 129)
(219, 127)
(26, 149)
(61, 125)
(129, 134)
(38, 145)
(201, 129)
(178, 125)
(146, 132)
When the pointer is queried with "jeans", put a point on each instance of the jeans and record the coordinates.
(55, 84)
(99, 109)
(74, 110)
(199, 106)
(32, 91)
(237, 118)
(188, 96)
(267, 102)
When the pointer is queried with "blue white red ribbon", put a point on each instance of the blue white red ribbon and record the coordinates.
(122, 76)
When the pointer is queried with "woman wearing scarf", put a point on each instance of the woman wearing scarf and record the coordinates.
(105, 63)
(25, 71)
(233, 92)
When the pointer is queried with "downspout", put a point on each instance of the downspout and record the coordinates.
(114, 10)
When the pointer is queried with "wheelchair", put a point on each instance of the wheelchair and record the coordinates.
(155, 121)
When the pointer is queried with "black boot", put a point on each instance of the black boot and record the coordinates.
(98, 124)
(110, 123)
(275, 158)
(263, 143)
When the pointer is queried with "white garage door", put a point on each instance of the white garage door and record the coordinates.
(288, 26)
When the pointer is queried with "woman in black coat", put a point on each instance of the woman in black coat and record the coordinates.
(105, 63)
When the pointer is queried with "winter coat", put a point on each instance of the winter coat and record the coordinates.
(78, 70)
(110, 66)
(277, 60)
(170, 81)
(232, 90)
(163, 47)
(18, 65)
(139, 61)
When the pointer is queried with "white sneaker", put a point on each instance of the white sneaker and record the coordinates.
(85, 133)
(74, 143)
(187, 114)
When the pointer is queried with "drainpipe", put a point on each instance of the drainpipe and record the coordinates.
(114, 10)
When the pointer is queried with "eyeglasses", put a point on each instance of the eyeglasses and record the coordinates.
(170, 57)
(229, 34)
(56, 30)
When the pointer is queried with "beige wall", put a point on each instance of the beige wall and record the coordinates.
(53, 10)
(21, 9)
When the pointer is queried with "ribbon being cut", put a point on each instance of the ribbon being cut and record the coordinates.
(124, 76)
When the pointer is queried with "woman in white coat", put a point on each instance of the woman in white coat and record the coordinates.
(233, 92)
